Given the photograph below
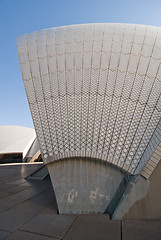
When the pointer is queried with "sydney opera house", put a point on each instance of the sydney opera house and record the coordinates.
(94, 92)
(18, 144)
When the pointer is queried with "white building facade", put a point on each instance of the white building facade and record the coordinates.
(17, 140)
(94, 92)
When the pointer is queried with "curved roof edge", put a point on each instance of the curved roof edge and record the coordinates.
(16, 139)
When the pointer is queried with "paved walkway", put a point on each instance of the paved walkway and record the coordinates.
(28, 211)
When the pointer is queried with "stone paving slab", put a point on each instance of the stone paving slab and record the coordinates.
(8, 185)
(94, 227)
(22, 196)
(141, 230)
(49, 223)
(15, 174)
(33, 216)
(13, 190)
(11, 219)
(3, 234)
(20, 235)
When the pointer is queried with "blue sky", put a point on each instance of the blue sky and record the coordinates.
(23, 16)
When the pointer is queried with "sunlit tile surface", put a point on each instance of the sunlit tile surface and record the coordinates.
(94, 90)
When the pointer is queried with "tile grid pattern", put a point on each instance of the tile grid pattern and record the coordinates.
(93, 90)
(152, 152)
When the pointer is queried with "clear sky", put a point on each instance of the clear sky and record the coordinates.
(23, 16)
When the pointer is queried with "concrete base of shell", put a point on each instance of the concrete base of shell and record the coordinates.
(83, 186)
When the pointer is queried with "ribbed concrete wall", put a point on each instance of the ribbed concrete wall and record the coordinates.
(84, 185)
(142, 199)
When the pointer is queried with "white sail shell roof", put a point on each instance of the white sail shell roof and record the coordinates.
(94, 90)
(16, 139)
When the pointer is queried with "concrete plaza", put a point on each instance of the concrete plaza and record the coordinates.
(28, 210)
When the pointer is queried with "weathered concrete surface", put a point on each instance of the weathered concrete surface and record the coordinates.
(94, 227)
(143, 199)
(84, 185)
(140, 230)
(150, 206)
(56, 225)
(3, 234)
(136, 190)
(42, 222)
(20, 235)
